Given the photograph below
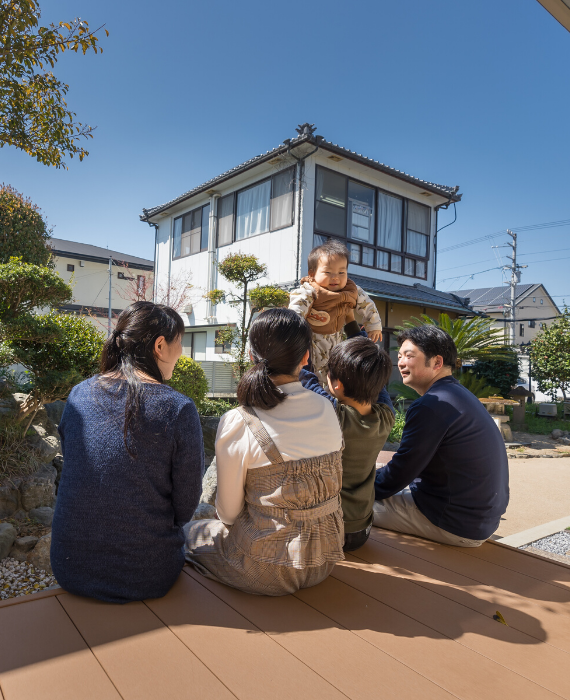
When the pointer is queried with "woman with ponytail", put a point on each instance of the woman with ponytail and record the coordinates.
(278, 458)
(133, 463)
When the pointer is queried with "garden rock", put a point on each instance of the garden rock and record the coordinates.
(555, 434)
(21, 547)
(564, 441)
(39, 489)
(9, 499)
(54, 410)
(39, 556)
(210, 484)
(7, 537)
(209, 430)
(8, 406)
(46, 445)
(43, 515)
(204, 511)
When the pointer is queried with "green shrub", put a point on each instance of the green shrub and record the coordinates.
(216, 407)
(398, 429)
(477, 385)
(65, 350)
(189, 379)
(502, 374)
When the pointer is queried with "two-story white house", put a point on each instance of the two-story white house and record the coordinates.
(281, 204)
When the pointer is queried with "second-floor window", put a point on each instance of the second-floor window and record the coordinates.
(265, 206)
(381, 230)
(191, 232)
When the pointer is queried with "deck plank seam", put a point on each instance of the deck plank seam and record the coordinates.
(89, 647)
(456, 641)
(543, 560)
(425, 586)
(269, 636)
(191, 651)
(383, 651)
(462, 552)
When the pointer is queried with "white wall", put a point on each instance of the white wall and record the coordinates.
(277, 249)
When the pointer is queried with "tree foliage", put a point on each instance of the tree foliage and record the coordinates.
(34, 115)
(23, 231)
(550, 356)
(64, 351)
(473, 337)
(189, 379)
(502, 374)
(241, 270)
(25, 287)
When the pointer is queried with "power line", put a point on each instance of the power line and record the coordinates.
(520, 229)
(532, 262)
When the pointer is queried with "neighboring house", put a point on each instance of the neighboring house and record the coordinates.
(86, 268)
(534, 308)
(281, 204)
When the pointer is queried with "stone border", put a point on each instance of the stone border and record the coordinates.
(536, 533)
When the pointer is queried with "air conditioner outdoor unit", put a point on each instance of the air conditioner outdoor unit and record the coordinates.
(547, 409)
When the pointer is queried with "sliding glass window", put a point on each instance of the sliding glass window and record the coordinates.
(381, 230)
(191, 233)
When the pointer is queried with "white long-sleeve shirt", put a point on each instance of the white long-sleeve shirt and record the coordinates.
(304, 425)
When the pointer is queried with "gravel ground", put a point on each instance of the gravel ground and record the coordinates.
(20, 578)
(558, 543)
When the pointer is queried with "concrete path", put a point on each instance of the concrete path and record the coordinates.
(540, 492)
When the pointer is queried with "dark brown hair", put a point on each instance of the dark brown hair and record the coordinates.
(278, 339)
(362, 367)
(129, 350)
(432, 341)
(330, 249)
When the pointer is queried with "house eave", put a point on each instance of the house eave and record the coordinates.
(448, 194)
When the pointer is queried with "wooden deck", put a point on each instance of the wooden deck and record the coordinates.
(402, 618)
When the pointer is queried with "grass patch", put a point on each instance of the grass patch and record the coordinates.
(17, 457)
(541, 425)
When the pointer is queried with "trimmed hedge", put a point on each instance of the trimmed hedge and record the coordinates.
(189, 379)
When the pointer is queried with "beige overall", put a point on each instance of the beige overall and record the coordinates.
(290, 532)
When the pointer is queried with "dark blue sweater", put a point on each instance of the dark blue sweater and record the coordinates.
(452, 444)
(117, 529)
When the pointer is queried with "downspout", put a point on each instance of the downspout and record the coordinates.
(212, 238)
(300, 169)
(150, 223)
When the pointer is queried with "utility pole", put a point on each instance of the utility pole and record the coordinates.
(515, 279)
(109, 311)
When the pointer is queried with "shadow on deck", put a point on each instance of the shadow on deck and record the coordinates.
(400, 618)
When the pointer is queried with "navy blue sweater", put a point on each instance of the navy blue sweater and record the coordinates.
(452, 444)
(117, 528)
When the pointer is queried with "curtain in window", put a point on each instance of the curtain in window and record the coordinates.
(389, 222)
(253, 210)
(282, 199)
(416, 244)
(418, 217)
(177, 243)
(225, 219)
(361, 211)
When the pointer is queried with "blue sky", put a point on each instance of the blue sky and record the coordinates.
(474, 94)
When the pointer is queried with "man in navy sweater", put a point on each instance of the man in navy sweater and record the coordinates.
(449, 479)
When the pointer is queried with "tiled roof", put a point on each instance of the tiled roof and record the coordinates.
(493, 296)
(442, 190)
(416, 293)
(87, 251)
